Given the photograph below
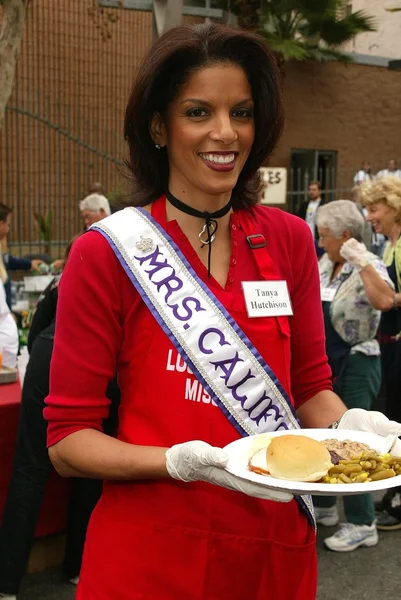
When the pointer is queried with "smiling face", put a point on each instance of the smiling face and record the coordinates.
(382, 217)
(208, 131)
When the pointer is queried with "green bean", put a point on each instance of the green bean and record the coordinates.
(385, 474)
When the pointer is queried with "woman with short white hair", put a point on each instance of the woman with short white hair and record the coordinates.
(352, 298)
(94, 208)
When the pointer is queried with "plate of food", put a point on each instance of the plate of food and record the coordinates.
(322, 462)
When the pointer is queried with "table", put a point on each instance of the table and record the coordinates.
(53, 515)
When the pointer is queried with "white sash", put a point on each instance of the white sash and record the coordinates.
(208, 339)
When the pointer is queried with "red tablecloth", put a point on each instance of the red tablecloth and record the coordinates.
(53, 516)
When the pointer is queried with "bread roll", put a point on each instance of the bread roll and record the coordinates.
(298, 458)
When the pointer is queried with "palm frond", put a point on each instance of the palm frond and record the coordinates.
(303, 29)
(320, 53)
(340, 32)
(289, 49)
(361, 21)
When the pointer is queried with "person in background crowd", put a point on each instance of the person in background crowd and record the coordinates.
(367, 233)
(204, 113)
(94, 208)
(373, 241)
(96, 188)
(32, 466)
(9, 342)
(13, 263)
(308, 211)
(364, 173)
(382, 198)
(391, 170)
(352, 299)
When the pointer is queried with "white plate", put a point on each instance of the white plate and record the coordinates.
(240, 450)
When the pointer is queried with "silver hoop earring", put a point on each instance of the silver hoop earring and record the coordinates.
(157, 146)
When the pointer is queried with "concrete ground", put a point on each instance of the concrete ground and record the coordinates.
(366, 574)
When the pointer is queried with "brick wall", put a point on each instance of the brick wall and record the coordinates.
(353, 109)
(70, 76)
(77, 79)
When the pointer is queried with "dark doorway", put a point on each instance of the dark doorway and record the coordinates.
(311, 165)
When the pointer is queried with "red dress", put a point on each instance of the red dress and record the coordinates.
(164, 539)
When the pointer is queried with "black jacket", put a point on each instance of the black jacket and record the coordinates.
(302, 212)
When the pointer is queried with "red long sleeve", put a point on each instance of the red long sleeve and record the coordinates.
(88, 338)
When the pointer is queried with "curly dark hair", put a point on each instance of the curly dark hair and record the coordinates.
(171, 60)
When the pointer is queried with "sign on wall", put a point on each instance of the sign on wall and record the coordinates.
(274, 185)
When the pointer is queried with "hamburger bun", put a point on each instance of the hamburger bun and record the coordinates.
(298, 458)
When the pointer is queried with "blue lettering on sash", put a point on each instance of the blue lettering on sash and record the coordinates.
(152, 257)
(235, 386)
(185, 304)
(222, 340)
(168, 283)
(264, 414)
(208, 339)
(172, 283)
(227, 367)
(221, 364)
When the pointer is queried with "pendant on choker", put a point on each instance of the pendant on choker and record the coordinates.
(210, 232)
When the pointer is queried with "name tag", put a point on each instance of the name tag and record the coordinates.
(327, 294)
(267, 298)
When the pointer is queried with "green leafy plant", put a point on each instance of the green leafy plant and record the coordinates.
(304, 29)
(45, 229)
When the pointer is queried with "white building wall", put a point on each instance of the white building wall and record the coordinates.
(386, 41)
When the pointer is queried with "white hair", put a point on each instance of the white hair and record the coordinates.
(95, 203)
(340, 216)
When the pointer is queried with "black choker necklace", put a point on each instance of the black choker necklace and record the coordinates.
(210, 227)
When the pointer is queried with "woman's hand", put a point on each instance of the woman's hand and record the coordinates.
(357, 254)
(369, 420)
(198, 461)
(378, 286)
(372, 421)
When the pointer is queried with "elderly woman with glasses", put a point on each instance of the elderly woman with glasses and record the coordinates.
(353, 296)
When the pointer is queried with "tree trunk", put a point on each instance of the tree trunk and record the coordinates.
(12, 26)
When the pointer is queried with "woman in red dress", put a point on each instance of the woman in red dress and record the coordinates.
(172, 524)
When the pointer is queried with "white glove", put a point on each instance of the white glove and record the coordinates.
(373, 421)
(357, 254)
(198, 461)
